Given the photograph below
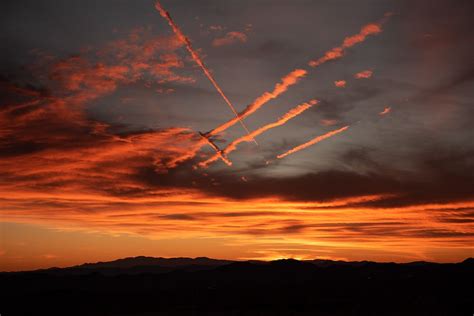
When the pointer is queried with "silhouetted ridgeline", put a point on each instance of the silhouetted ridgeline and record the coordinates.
(203, 286)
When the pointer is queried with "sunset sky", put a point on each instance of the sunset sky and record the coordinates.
(354, 138)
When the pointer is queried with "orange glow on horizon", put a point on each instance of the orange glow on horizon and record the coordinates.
(284, 229)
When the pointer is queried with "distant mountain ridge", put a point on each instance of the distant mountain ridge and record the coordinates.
(137, 265)
(145, 264)
(160, 261)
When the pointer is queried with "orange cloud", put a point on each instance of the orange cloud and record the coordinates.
(77, 73)
(145, 53)
(77, 80)
(86, 77)
(51, 119)
(312, 142)
(369, 29)
(363, 74)
(229, 39)
(74, 175)
(328, 122)
(385, 111)
(59, 168)
(340, 83)
(259, 229)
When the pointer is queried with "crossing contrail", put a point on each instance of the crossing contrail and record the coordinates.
(281, 87)
(198, 60)
(290, 79)
(219, 152)
(247, 138)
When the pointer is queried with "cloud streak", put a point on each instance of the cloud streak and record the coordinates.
(338, 52)
(312, 142)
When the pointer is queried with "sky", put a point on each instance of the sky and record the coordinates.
(239, 130)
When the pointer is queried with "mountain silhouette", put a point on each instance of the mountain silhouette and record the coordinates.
(152, 261)
(204, 286)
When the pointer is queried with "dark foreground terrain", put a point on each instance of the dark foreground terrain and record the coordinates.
(202, 286)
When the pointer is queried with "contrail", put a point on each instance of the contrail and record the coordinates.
(312, 142)
(338, 52)
(287, 81)
(218, 151)
(293, 77)
(248, 138)
(197, 59)
(323, 137)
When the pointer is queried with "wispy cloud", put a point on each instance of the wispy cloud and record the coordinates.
(385, 111)
(340, 83)
(363, 74)
(229, 39)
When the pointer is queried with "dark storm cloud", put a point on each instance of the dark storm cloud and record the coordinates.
(438, 181)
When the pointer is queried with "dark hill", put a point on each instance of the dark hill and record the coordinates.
(138, 265)
(203, 286)
(152, 261)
